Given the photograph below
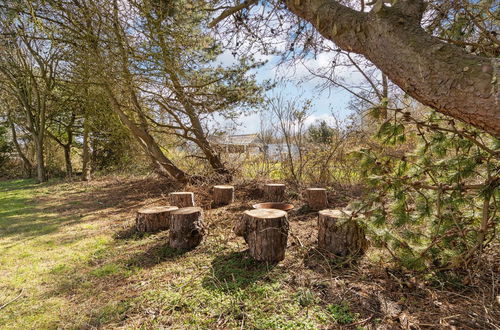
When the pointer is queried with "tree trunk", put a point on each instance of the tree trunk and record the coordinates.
(186, 228)
(274, 192)
(339, 234)
(182, 199)
(152, 219)
(86, 169)
(317, 198)
(223, 195)
(40, 162)
(266, 232)
(163, 165)
(435, 73)
(67, 159)
(196, 128)
(27, 166)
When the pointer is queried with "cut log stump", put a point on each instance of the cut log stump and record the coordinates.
(182, 199)
(274, 192)
(223, 195)
(151, 219)
(186, 228)
(339, 234)
(266, 232)
(316, 198)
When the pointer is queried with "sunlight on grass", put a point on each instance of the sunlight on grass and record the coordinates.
(73, 272)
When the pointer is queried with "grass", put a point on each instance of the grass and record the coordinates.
(74, 272)
(68, 254)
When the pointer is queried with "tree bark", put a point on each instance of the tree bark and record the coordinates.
(196, 128)
(86, 169)
(155, 218)
(274, 192)
(27, 166)
(162, 164)
(182, 199)
(41, 175)
(223, 195)
(339, 234)
(67, 160)
(440, 75)
(266, 232)
(186, 228)
(317, 198)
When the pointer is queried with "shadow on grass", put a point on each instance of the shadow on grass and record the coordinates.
(234, 271)
(324, 262)
(19, 215)
(128, 233)
(154, 256)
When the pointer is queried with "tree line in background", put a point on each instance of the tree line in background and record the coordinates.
(90, 86)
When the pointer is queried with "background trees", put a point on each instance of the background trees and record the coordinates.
(108, 85)
(28, 67)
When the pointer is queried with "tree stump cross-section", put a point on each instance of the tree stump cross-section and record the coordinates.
(155, 218)
(317, 198)
(266, 232)
(274, 192)
(182, 199)
(339, 234)
(186, 228)
(223, 195)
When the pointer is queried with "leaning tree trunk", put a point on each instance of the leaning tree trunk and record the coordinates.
(274, 192)
(154, 218)
(196, 128)
(27, 166)
(437, 74)
(266, 232)
(223, 195)
(339, 234)
(186, 228)
(163, 165)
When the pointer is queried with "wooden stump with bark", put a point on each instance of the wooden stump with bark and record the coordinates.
(182, 199)
(266, 232)
(223, 195)
(317, 198)
(155, 218)
(274, 192)
(338, 233)
(186, 228)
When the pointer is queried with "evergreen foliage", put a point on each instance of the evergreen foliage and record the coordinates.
(433, 193)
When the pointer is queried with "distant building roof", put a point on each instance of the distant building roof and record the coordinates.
(242, 139)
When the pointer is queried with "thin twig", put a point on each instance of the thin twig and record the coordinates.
(297, 239)
(10, 302)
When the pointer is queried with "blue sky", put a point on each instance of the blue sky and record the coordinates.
(323, 102)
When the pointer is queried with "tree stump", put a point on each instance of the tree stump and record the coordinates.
(266, 232)
(316, 198)
(223, 195)
(339, 234)
(182, 199)
(186, 228)
(154, 218)
(274, 192)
